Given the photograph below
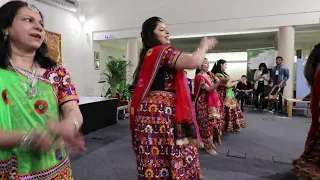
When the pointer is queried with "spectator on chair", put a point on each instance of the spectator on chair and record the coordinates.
(243, 88)
(280, 75)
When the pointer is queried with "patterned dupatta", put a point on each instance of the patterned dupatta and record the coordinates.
(184, 113)
(213, 98)
(315, 100)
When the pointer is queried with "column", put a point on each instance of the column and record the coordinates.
(132, 58)
(287, 52)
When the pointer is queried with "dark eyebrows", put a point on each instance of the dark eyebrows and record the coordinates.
(162, 28)
(28, 16)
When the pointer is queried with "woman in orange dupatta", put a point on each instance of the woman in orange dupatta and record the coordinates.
(308, 165)
(162, 118)
(208, 107)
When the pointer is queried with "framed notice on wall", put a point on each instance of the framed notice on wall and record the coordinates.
(258, 56)
(97, 65)
(53, 41)
(96, 62)
(96, 56)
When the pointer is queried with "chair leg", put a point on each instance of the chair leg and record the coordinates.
(276, 107)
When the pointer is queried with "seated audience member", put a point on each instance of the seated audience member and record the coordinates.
(243, 88)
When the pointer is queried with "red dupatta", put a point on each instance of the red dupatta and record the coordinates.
(184, 108)
(315, 100)
(213, 98)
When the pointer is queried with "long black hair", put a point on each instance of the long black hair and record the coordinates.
(218, 66)
(312, 64)
(149, 40)
(198, 70)
(265, 68)
(7, 15)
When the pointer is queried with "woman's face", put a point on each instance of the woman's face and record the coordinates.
(205, 66)
(162, 34)
(27, 29)
(262, 68)
(223, 67)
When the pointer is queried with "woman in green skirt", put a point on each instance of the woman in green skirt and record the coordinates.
(34, 135)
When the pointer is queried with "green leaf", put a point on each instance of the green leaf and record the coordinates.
(115, 73)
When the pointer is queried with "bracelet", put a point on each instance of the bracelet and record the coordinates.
(26, 139)
(76, 124)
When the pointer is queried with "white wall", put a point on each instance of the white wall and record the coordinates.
(185, 17)
(236, 63)
(77, 55)
(215, 16)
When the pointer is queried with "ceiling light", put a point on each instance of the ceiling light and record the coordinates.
(223, 34)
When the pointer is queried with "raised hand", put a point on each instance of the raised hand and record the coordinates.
(208, 42)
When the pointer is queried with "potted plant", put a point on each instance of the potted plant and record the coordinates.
(124, 98)
(114, 74)
(124, 93)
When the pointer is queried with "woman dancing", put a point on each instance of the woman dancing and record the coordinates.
(162, 118)
(208, 107)
(33, 88)
(232, 117)
(308, 165)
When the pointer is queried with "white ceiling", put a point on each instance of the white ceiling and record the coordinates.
(239, 42)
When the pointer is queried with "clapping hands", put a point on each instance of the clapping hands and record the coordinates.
(208, 42)
(66, 129)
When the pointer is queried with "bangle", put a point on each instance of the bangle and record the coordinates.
(26, 139)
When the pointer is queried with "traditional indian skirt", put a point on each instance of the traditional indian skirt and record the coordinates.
(154, 142)
(232, 116)
(209, 123)
(308, 165)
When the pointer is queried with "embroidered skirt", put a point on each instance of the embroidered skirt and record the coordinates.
(158, 157)
(232, 116)
(308, 165)
(208, 121)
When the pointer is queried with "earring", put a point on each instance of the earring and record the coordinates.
(5, 35)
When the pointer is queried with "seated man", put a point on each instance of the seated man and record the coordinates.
(243, 89)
